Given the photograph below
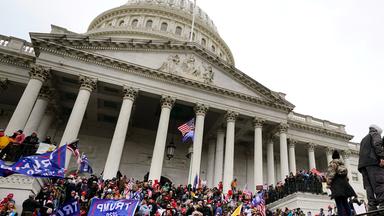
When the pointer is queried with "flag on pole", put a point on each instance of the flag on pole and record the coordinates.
(237, 211)
(84, 165)
(187, 129)
(259, 203)
(74, 148)
(193, 21)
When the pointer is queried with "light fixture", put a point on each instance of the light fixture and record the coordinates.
(171, 150)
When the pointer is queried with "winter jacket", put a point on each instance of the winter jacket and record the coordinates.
(371, 150)
(338, 181)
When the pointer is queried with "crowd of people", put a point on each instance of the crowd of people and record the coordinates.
(303, 181)
(8, 206)
(167, 199)
(18, 145)
(158, 198)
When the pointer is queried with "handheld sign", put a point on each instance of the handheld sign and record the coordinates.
(107, 207)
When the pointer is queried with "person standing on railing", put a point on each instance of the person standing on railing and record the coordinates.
(371, 163)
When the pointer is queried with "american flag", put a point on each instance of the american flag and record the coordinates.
(259, 203)
(187, 127)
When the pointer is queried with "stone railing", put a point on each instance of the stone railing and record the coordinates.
(17, 45)
(309, 120)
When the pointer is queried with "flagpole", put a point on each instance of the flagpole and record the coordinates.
(193, 22)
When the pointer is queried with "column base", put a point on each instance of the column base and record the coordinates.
(21, 186)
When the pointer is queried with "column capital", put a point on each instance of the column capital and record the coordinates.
(258, 122)
(46, 93)
(311, 146)
(346, 154)
(130, 93)
(87, 83)
(39, 72)
(231, 116)
(292, 143)
(220, 130)
(329, 150)
(201, 109)
(167, 101)
(283, 127)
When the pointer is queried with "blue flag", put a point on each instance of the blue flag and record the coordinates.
(189, 135)
(71, 208)
(50, 164)
(84, 165)
(123, 207)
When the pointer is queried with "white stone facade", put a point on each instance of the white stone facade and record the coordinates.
(160, 80)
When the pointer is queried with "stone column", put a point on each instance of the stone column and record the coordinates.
(38, 75)
(200, 110)
(329, 152)
(258, 152)
(211, 163)
(38, 111)
(311, 156)
(292, 156)
(283, 151)
(346, 154)
(167, 103)
(219, 157)
(117, 145)
(190, 152)
(76, 118)
(229, 150)
(45, 123)
(270, 163)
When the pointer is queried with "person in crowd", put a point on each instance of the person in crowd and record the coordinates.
(337, 180)
(30, 145)
(47, 140)
(371, 163)
(29, 206)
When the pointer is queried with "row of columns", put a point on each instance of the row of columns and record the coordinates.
(29, 114)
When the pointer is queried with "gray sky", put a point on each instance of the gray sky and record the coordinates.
(327, 56)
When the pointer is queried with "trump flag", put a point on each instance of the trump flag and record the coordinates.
(103, 207)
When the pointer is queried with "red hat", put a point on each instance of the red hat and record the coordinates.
(10, 195)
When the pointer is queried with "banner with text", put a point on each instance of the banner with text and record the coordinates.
(107, 207)
(68, 209)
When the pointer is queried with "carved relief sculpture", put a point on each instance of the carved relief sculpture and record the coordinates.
(189, 67)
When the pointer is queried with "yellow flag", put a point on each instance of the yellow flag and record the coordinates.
(237, 211)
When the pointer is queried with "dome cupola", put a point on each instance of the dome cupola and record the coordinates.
(161, 20)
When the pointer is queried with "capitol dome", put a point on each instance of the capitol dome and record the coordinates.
(161, 20)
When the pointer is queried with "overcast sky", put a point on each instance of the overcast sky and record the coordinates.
(327, 56)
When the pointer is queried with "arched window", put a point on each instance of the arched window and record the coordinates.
(148, 24)
(164, 26)
(179, 30)
(203, 42)
(121, 23)
(213, 48)
(135, 22)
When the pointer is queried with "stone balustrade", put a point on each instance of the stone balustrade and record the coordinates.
(309, 120)
(16, 44)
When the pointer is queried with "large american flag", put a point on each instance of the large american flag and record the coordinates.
(187, 127)
(259, 203)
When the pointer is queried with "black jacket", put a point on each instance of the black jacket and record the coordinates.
(30, 205)
(371, 150)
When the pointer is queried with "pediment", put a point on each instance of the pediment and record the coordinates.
(189, 65)
(186, 62)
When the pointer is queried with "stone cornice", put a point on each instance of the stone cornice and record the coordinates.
(319, 130)
(60, 46)
(16, 60)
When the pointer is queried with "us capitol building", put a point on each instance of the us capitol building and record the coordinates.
(124, 87)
